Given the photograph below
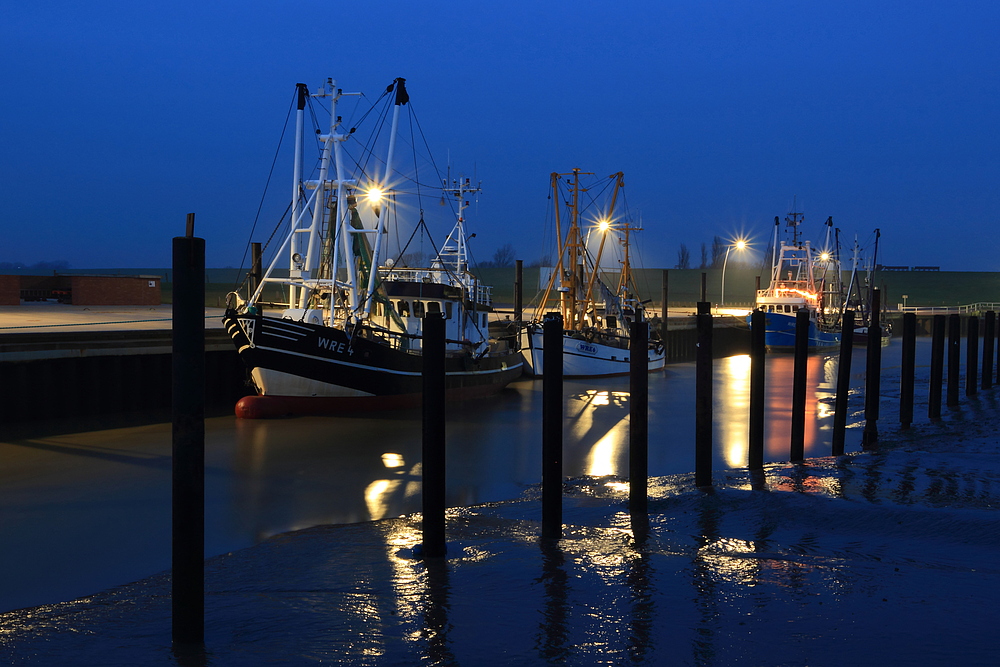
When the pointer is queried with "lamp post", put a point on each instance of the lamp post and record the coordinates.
(739, 245)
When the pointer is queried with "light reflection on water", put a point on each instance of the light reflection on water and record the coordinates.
(344, 469)
(271, 476)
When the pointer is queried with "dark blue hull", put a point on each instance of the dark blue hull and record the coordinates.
(779, 334)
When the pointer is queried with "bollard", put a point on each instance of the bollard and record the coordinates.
(664, 308)
(703, 398)
(937, 368)
(906, 372)
(954, 361)
(256, 269)
(433, 445)
(797, 452)
(873, 371)
(518, 290)
(638, 435)
(989, 331)
(972, 355)
(843, 382)
(552, 426)
(758, 350)
(188, 437)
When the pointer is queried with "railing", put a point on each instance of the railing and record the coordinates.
(980, 307)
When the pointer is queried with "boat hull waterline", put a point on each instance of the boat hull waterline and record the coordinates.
(582, 357)
(303, 368)
(779, 334)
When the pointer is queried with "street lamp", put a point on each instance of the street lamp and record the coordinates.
(740, 245)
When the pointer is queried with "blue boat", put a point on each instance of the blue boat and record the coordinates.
(802, 278)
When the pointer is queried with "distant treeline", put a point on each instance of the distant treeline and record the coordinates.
(59, 265)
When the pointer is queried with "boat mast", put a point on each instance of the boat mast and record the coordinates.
(401, 99)
(302, 92)
(455, 247)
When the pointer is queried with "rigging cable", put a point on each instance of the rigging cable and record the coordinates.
(267, 183)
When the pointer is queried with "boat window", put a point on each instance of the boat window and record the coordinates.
(418, 308)
(433, 308)
(404, 308)
(611, 321)
(447, 310)
(485, 321)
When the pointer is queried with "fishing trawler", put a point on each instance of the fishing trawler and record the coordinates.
(802, 278)
(597, 316)
(349, 334)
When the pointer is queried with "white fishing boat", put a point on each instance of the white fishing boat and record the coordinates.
(597, 307)
(349, 334)
(802, 278)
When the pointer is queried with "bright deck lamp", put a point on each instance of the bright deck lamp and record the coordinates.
(740, 245)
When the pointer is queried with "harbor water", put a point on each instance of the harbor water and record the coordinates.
(87, 511)
(871, 558)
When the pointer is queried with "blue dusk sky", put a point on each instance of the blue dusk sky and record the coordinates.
(119, 118)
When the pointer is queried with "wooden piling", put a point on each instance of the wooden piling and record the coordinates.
(758, 351)
(797, 449)
(989, 333)
(664, 307)
(188, 440)
(638, 447)
(873, 372)
(906, 374)
(434, 478)
(519, 290)
(972, 355)
(937, 367)
(703, 397)
(954, 358)
(552, 426)
(843, 382)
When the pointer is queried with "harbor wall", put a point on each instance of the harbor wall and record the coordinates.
(54, 383)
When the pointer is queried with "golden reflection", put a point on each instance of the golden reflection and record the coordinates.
(732, 406)
(376, 495)
(604, 453)
(390, 460)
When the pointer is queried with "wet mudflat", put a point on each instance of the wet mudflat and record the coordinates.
(810, 558)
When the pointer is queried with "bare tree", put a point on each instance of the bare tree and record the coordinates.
(704, 257)
(505, 255)
(718, 251)
(683, 258)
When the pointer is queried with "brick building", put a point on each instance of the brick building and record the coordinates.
(82, 290)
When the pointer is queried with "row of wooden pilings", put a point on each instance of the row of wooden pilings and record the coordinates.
(188, 589)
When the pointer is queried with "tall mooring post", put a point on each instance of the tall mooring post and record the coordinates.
(937, 367)
(843, 383)
(954, 358)
(797, 449)
(552, 425)
(434, 477)
(972, 355)
(758, 350)
(664, 305)
(638, 413)
(519, 290)
(703, 398)
(906, 373)
(873, 372)
(188, 412)
(989, 334)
